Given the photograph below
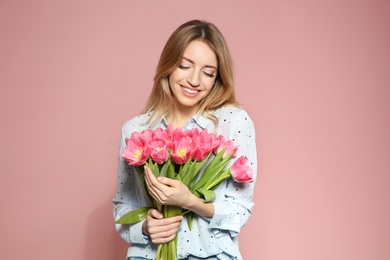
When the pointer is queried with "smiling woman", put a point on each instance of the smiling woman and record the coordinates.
(192, 81)
(161, 99)
(193, 90)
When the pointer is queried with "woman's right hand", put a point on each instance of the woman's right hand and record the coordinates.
(160, 230)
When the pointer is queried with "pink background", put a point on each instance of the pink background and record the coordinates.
(314, 76)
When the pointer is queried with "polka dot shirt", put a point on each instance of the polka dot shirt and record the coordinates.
(216, 236)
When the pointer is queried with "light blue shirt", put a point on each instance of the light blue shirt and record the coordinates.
(216, 236)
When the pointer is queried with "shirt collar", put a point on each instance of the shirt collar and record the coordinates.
(199, 119)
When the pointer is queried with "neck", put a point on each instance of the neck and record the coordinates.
(179, 117)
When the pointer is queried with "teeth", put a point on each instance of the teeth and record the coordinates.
(190, 91)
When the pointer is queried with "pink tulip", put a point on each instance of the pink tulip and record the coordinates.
(161, 134)
(178, 134)
(198, 154)
(158, 151)
(134, 152)
(228, 145)
(240, 171)
(146, 136)
(192, 132)
(181, 149)
(169, 131)
(136, 137)
(204, 142)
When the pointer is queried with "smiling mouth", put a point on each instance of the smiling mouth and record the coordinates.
(190, 91)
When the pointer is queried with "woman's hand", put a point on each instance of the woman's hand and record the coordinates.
(167, 191)
(160, 230)
(173, 192)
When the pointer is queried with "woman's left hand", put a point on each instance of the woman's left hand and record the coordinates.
(167, 191)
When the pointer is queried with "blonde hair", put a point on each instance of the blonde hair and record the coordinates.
(160, 101)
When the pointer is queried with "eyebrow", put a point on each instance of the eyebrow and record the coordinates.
(207, 66)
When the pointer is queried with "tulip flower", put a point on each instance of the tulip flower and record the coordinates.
(228, 145)
(134, 153)
(158, 151)
(161, 134)
(181, 149)
(240, 171)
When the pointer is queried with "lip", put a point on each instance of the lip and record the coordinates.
(189, 88)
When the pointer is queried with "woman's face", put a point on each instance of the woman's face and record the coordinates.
(194, 78)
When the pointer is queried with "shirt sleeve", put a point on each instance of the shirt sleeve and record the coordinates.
(128, 196)
(233, 205)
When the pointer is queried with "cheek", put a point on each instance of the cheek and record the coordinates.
(173, 78)
(178, 74)
(209, 84)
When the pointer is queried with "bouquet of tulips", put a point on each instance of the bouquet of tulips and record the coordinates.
(182, 155)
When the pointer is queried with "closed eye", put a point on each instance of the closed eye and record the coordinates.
(183, 67)
(209, 74)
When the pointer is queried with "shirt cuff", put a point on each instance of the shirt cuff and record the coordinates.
(136, 236)
(225, 219)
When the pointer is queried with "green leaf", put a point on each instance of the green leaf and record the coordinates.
(223, 175)
(154, 167)
(218, 178)
(212, 170)
(165, 168)
(186, 172)
(190, 216)
(133, 216)
(171, 170)
(199, 165)
(195, 170)
(208, 195)
(184, 169)
(141, 174)
(216, 159)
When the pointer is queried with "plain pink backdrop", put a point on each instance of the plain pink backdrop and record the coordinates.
(313, 75)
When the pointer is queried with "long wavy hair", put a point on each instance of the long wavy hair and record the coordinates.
(160, 101)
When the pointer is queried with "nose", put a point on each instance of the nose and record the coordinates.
(193, 78)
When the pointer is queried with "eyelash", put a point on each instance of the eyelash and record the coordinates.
(207, 74)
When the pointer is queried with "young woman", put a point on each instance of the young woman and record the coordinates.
(193, 88)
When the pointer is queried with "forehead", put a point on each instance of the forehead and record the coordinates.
(200, 53)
